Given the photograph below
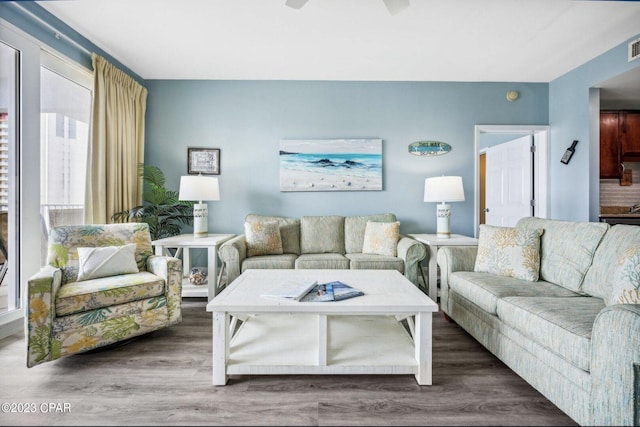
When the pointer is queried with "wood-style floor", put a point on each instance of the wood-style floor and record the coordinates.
(164, 378)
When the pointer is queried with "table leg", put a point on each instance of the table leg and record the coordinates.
(212, 267)
(433, 272)
(220, 349)
(322, 340)
(423, 341)
(186, 261)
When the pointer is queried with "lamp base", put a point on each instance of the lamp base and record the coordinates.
(200, 220)
(443, 213)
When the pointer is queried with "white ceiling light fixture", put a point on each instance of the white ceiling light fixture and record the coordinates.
(393, 6)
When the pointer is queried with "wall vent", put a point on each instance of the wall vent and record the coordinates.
(634, 50)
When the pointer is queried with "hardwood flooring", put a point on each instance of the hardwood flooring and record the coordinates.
(164, 378)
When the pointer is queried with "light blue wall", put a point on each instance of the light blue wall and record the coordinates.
(247, 120)
(573, 112)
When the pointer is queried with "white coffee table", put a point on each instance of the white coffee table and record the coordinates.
(362, 335)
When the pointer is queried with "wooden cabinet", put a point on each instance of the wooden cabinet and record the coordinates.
(630, 136)
(610, 145)
(619, 141)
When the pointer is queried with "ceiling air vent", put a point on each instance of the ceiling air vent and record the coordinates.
(634, 50)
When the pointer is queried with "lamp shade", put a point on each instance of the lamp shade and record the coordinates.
(443, 189)
(198, 187)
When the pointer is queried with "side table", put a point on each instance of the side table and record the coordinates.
(188, 242)
(433, 243)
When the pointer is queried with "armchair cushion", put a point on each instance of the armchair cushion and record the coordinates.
(94, 263)
(77, 297)
(65, 240)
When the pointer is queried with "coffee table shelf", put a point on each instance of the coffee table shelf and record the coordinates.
(356, 345)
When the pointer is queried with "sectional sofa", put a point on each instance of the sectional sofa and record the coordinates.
(573, 334)
(321, 242)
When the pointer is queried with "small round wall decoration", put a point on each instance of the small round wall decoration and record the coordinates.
(429, 148)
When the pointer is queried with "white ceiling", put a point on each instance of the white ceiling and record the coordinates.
(432, 40)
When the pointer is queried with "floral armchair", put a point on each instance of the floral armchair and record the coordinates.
(68, 316)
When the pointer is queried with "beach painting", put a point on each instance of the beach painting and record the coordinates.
(331, 165)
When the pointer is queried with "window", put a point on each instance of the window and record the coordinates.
(65, 111)
(9, 286)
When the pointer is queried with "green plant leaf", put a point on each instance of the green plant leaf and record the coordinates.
(161, 209)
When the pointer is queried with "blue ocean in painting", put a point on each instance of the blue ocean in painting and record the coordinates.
(355, 164)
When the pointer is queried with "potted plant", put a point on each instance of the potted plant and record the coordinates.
(161, 208)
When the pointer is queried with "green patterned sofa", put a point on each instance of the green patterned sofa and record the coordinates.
(323, 242)
(66, 316)
(561, 334)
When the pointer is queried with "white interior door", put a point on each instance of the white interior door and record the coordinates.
(509, 185)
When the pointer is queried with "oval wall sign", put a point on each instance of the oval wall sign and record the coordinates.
(429, 148)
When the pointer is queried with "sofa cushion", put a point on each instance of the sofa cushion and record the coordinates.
(562, 325)
(486, 289)
(375, 262)
(626, 287)
(354, 227)
(322, 262)
(105, 261)
(276, 262)
(289, 231)
(76, 297)
(599, 280)
(322, 234)
(381, 238)
(509, 251)
(566, 249)
(263, 238)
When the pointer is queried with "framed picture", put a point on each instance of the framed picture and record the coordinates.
(331, 165)
(205, 161)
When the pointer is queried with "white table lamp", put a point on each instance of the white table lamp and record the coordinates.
(443, 189)
(200, 188)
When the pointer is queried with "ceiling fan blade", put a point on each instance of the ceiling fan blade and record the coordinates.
(296, 4)
(396, 6)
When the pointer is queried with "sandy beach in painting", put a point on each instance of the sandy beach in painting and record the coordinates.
(291, 180)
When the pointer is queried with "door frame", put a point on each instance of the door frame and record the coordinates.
(540, 168)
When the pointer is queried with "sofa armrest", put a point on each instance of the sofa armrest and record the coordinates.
(170, 269)
(41, 293)
(412, 253)
(232, 253)
(615, 349)
(452, 259)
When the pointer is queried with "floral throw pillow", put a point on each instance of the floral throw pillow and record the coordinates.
(626, 288)
(509, 251)
(381, 238)
(263, 238)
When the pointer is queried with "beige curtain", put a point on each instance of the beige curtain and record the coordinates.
(117, 143)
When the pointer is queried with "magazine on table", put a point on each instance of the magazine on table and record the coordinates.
(332, 291)
(291, 290)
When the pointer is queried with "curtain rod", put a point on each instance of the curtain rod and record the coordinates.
(57, 33)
